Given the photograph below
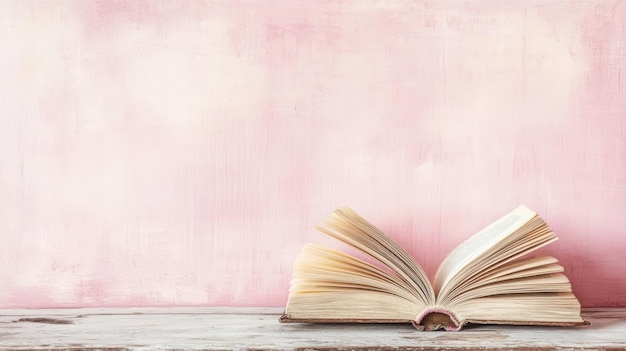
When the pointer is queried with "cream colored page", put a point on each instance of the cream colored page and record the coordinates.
(545, 307)
(348, 226)
(351, 304)
(479, 243)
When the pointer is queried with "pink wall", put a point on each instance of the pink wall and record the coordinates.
(180, 153)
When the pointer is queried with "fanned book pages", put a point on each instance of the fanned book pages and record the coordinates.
(485, 280)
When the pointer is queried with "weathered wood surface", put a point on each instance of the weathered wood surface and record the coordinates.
(258, 328)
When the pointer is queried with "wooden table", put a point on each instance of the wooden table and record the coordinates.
(258, 328)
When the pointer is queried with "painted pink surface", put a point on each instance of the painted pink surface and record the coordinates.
(180, 153)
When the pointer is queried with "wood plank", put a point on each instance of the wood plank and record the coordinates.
(258, 328)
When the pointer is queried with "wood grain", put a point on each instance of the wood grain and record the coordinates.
(258, 329)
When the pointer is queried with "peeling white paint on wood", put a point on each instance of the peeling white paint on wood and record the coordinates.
(258, 328)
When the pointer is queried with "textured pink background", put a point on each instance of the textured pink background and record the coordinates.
(180, 153)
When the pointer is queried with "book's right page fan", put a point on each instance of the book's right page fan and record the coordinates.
(484, 280)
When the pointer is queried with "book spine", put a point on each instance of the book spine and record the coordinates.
(435, 318)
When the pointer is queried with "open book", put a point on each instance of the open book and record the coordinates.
(484, 280)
